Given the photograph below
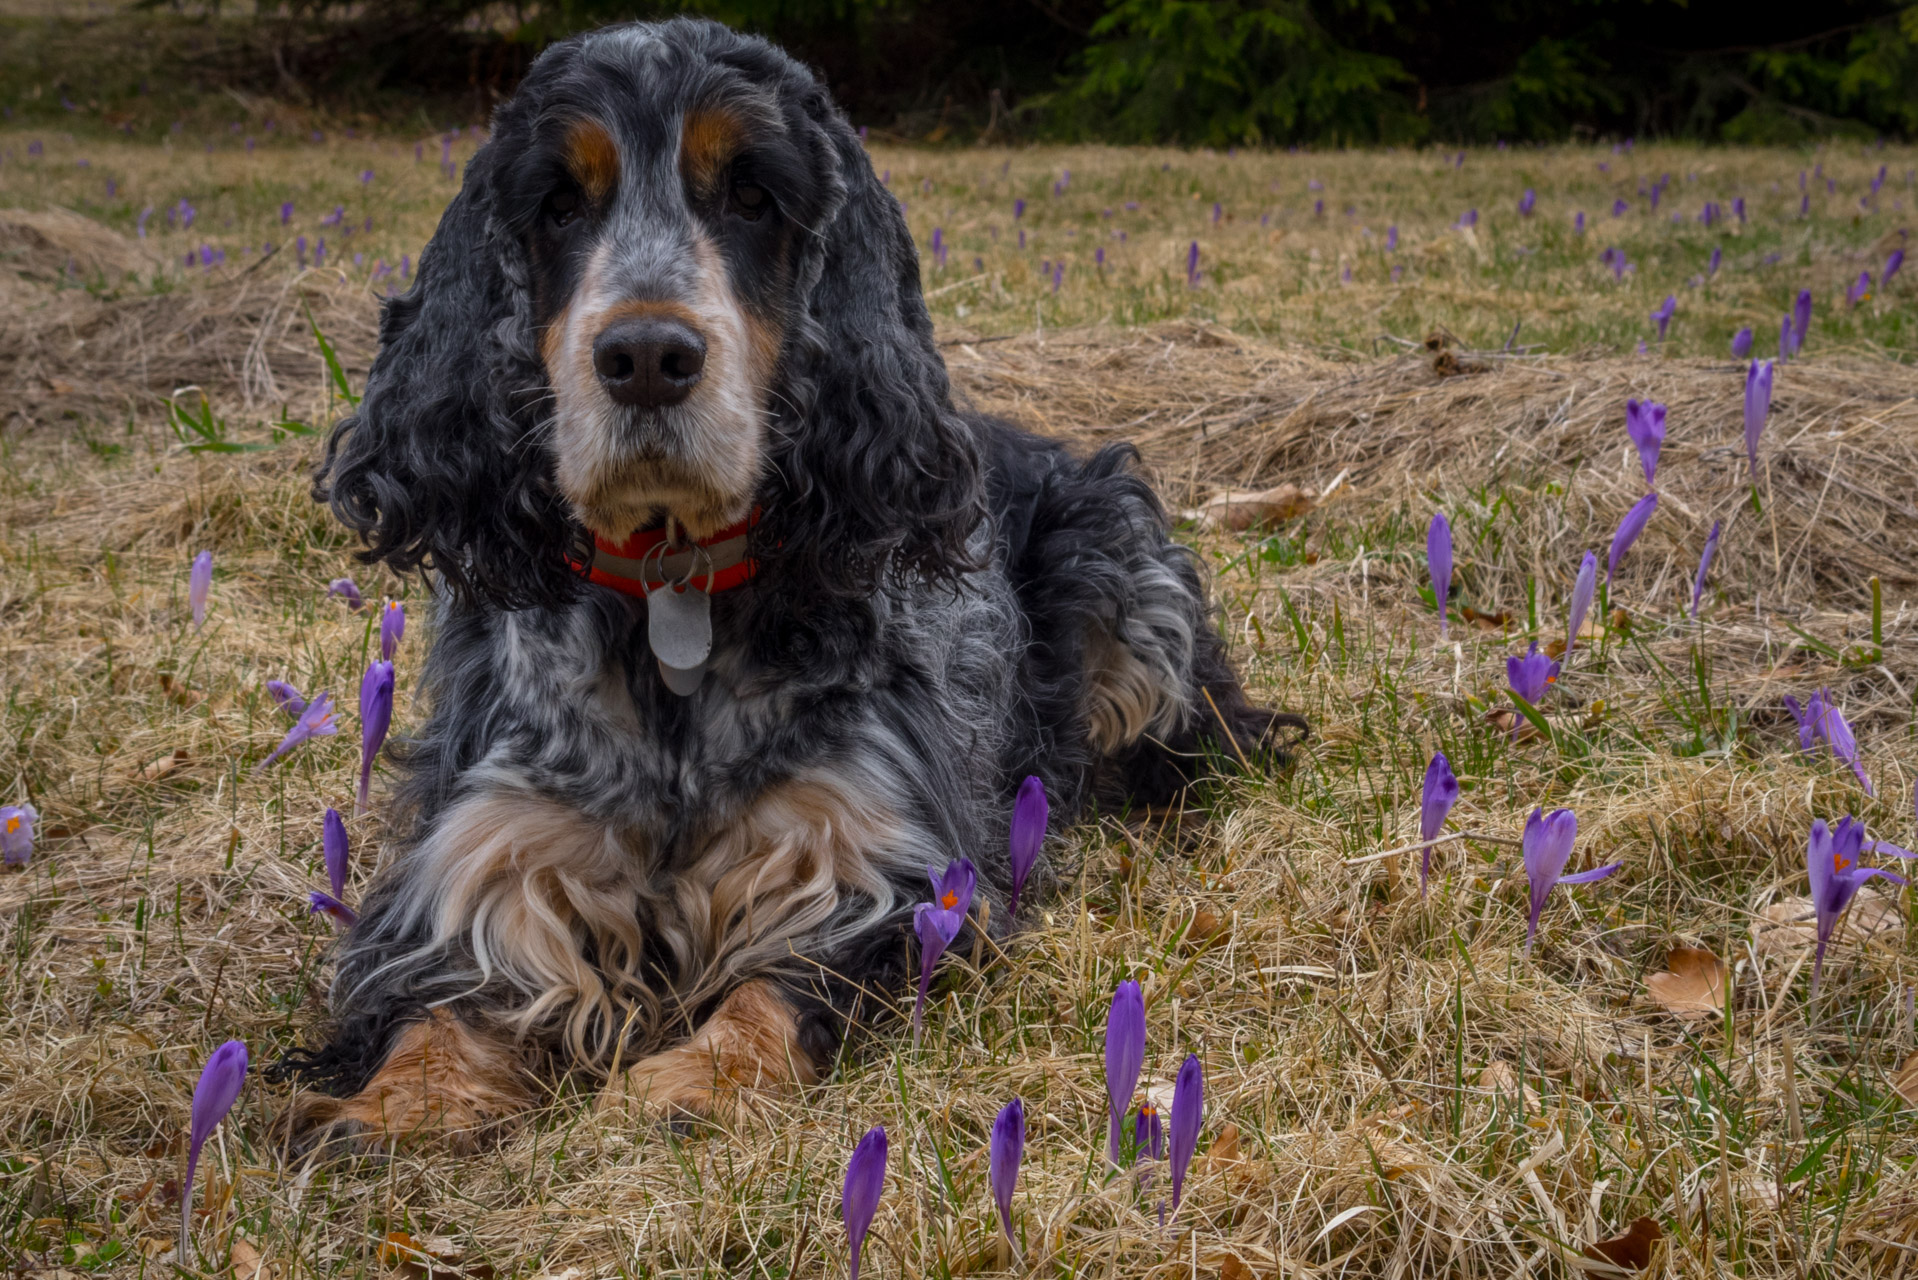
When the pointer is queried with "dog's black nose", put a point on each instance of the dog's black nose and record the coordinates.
(649, 363)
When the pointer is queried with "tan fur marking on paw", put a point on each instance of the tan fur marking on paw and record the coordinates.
(442, 1079)
(750, 1042)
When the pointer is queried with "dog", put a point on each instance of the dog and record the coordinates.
(740, 625)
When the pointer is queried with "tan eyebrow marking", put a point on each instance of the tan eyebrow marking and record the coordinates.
(708, 138)
(592, 157)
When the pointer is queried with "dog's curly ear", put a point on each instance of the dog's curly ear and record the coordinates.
(880, 475)
(441, 468)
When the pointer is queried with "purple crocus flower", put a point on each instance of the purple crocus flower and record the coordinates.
(1758, 384)
(213, 1097)
(199, 582)
(1578, 223)
(1018, 210)
(1808, 717)
(346, 590)
(1718, 257)
(1531, 675)
(1860, 289)
(1029, 815)
(865, 1183)
(314, 722)
(1148, 1133)
(1628, 530)
(392, 629)
(1125, 1057)
(1003, 1157)
(1188, 1114)
(1547, 847)
(1392, 239)
(1645, 424)
(286, 212)
(1800, 321)
(1618, 208)
(1527, 202)
(1438, 560)
(1742, 343)
(1662, 317)
(334, 851)
(1583, 589)
(1704, 567)
(1831, 863)
(140, 225)
(1192, 264)
(938, 922)
(1785, 345)
(16, 834)
(376, 717)
(1829, 724)
(1440, 793)
(1892, 264)
(287, 698)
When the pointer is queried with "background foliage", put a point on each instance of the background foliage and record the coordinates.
(1214, 72)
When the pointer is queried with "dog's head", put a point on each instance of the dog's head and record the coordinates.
(669, 286)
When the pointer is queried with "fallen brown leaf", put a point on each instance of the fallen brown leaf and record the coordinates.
(248, 1263)
(1487, 621)
(1633, 1250)
(1505, 720)
(1447, 365)
(1693, 986)
(162, 767)
(1205, 929)
(178, 692)
(1788, 927)
(1906, 1081)
(1501, 1079)
(1240, 509)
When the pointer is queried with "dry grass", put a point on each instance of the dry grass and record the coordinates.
(1409, 1091)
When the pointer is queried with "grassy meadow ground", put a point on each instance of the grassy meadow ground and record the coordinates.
(1396, 1086)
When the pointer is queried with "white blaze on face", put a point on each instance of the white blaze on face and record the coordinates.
(700, 460)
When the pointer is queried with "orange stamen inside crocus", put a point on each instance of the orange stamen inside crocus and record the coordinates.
(949, 901)
(13, 825)
(1839, 862)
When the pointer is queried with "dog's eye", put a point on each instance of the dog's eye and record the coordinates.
(750, 201)
(562, 207)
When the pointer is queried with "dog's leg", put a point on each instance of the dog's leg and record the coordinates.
(751, 1042)
(472, 943)
(779, 902)
(443, 1078)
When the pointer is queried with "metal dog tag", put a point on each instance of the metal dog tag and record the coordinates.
(679, 626)
(681, 682)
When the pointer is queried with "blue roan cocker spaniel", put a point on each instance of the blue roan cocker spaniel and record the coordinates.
(741, 624)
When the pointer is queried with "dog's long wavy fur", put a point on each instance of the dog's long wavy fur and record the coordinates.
(587, 866)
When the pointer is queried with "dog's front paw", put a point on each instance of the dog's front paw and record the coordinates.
(668, 1088)
(314, 1123)
(442, 1082)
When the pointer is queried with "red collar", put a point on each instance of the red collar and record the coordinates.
(644, 563)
